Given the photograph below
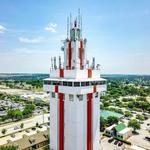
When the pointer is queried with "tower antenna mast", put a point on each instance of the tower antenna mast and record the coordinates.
(79, 18)
(81, 25)
(67, 27)
(70, 21)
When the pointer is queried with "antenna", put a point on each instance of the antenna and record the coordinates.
(59, 62)
(93, 63)
(81, 25)
(70, 21)
(79, 18)
(55, 66)
(67, 27)
(51, 62)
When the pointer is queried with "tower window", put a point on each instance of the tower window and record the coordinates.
(69, 83)
(71, 97)
(64, 83)
(83, 83)
(93, 83)
(53, 95)
(76, 84)
(87, 83)
(80, 97)
(96, 95)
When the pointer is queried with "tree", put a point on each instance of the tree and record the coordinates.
(102, 124)
(140, 117)
(4, 131)
(18, 114)
(37, 124)
(127, 114)
(8, 147)
(134, 124)
(28, 109)
(112, 120)
(11, 114)
(22, 125)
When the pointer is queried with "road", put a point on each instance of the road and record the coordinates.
(28, 123)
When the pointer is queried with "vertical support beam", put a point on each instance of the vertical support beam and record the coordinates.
(61, 121)
(89, 73)
(56, 88)
(61, 73)
(80, 53)
(69, 54)
(94, 89)
(89, 123)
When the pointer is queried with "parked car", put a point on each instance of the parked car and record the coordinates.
(111, 140)
(16, 127)
(120, 143)
(141, 122)
(116, 142)
(147, 138)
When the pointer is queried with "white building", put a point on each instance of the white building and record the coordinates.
(119, 131)
(125, 133)
(75, 89)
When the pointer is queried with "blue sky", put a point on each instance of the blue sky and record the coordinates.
(118, 33)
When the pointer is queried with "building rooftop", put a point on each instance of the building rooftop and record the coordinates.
(105, 114)
(124, 130)
(120, 127)
(111, 127)
(28, 141)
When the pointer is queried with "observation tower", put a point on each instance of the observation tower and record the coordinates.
(75, 87)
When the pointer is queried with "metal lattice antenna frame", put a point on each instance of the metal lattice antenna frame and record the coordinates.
(81, 24)
(70, 21)
(79, 18)
(67, 27)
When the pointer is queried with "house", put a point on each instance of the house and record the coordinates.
(119, 131)
(109, 130)
(35, 141)
(125, 133)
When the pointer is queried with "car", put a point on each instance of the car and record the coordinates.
(147, 138)
(141, 122)
(16, 127)
(110, 140)
(120, 143)
(33, 128)
(116, 142)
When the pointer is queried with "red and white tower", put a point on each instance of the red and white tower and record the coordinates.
(75, 89)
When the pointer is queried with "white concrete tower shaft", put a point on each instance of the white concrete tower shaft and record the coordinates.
(75, 90)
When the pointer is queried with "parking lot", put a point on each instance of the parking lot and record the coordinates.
(139, 140)
(107, 144)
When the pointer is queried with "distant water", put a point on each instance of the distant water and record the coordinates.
(38, 76)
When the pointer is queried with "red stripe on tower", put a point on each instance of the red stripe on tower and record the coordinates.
(89, 122)
(81, 49)
(56, 88)
(94, 89)
(61, 121)
(69, 55)
(61, 73)
(89, 73)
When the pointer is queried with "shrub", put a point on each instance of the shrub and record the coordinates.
(4, 131)
(124, 141)
(106, 134)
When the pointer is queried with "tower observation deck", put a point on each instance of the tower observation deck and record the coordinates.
(75, 87)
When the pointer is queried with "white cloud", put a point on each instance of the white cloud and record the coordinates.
(34, 40)
(51, 27)
(2, 29)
